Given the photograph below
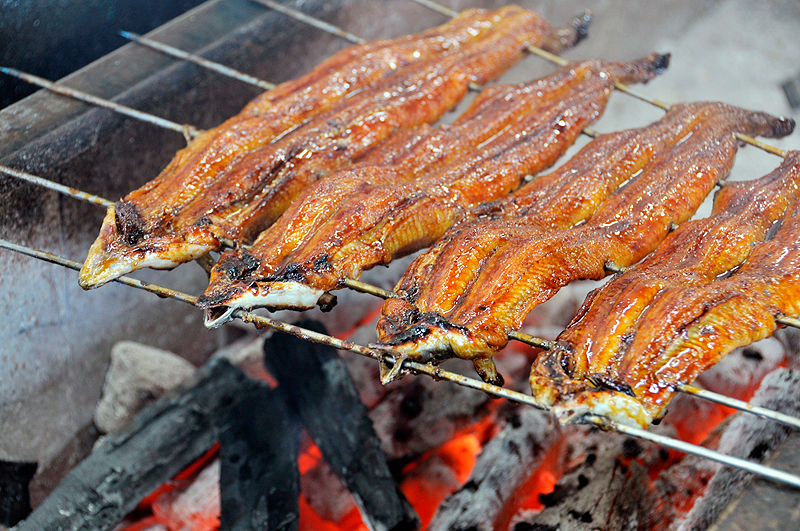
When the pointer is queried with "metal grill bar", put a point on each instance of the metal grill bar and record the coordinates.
(66, 190)
(308, 19)
(198, 60)
(188, 131)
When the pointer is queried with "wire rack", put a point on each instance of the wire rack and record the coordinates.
(394, 364)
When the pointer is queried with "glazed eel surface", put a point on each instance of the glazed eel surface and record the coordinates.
(515, 265)
(623, 354)
(368, 215)
(236, 179)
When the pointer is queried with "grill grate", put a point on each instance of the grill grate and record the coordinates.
(384, 357)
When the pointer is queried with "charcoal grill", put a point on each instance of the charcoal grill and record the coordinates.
(105, 153)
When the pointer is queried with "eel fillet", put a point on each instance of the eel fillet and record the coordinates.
(234, 180)
(367, 215)
(523, 266)
(683, 308)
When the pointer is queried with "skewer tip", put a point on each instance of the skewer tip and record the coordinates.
(128, 35)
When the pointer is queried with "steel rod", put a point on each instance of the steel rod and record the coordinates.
(308, 19)
(538, 342)
(188, 131)
(740, 405)
(198, 60)
(432, 371)
(72, 264)
(60, 188)
(363, 287)
(787, 321)
(622, 87)
(778, 476)
(446, 11)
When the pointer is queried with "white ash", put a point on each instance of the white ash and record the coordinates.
(138, 374)
(199, 502)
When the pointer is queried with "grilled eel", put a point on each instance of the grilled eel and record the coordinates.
(366, 216)
(526, 266)
(602, 363)
(559, 200)
(235, 180)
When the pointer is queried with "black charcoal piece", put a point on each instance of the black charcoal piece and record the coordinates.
(14, 497)
(606, 490)
(259, 480)
(502, 468)
(159, 442)
(320, 389)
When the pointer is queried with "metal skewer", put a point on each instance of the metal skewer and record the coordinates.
(622, 87)
(681, 446)
(72, 264)
(740, 405)
(188, 131)
(66, 190)
(350, 283)
(363, 287)
(355, 285)
(198, 60)
(787, 321)
(711, 396)
(430, 370)
(317, 23)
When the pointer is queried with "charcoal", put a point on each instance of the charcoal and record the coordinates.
(159, 442)
(318, 386)
(747, 437)
(259, 480)
(421, 414)
(677, 487)
(607, 489)
(325, 492)
(14, 496)
(503, 466)
(763, 504)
